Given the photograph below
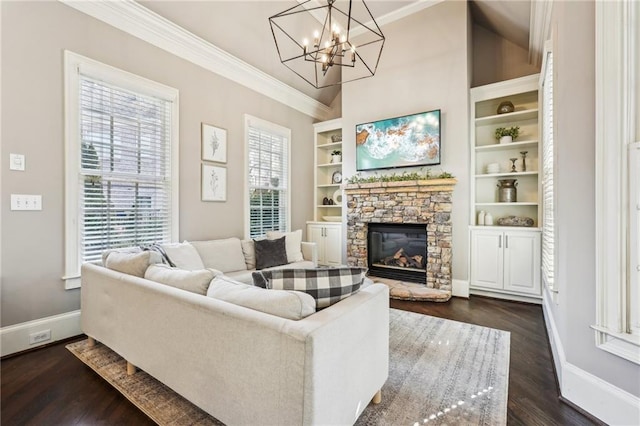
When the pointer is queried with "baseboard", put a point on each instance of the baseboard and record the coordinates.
(460, 288)
(15, 338)
(506, 296)
(597, 397)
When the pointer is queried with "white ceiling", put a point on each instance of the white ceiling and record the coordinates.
(242, 29)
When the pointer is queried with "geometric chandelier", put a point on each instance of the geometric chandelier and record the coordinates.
(328, 42)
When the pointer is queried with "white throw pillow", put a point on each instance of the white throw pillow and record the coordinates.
(129, 263)
(193, 281)
(293, 242)
(224, 255)
(249, 251)
(292, 305)
(184, 256)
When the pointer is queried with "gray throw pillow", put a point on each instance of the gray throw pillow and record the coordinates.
(326, 285)
(270, 253)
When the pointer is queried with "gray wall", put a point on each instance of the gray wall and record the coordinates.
(34, 35)
(574, 109)
(432, 74)
(497, 59)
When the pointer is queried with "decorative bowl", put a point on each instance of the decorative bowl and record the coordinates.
(332, 218)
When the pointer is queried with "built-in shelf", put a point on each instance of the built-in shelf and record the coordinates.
(503, 146)
(330, 165)
(506, 174)
(331, 185)
(329, 206)
(510, 117)
(332, 145)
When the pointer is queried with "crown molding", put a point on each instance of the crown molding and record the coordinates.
(398, 14)
(138, 21)
(539, 25)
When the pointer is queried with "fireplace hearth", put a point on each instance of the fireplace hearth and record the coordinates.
(398, 251)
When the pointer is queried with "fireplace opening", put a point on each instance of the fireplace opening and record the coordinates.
(398, 251)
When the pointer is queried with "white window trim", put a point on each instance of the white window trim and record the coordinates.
(73, 63)
(616, 80)
(275, 128)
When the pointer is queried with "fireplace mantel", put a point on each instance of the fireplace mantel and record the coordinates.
(426, 202)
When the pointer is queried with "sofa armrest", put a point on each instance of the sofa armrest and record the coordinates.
(310, 252)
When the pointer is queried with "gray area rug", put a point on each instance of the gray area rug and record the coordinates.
(440, 372)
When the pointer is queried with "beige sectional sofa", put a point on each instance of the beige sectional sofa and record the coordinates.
(238, 362)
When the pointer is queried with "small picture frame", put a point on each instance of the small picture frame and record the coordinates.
(214, 143)
(214, 183)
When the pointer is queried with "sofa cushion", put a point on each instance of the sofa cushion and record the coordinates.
(326, 285)
(193, 281)
(293, 305)
(293, 241)
(246, 277)
(184, 256)
(224, 255)
(131, 263)
(249, 252)
(270, 253)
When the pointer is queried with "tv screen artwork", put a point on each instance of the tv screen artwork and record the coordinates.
(412, 140)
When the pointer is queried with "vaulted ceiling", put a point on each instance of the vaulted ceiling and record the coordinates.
(241, 28)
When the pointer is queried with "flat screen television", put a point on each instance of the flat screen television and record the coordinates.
(407, 141)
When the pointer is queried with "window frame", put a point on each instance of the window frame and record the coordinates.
(251, 121)
(617, 41)
(73, 65)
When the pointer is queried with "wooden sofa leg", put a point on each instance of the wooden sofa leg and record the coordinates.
(131, 369)
(91, 342)
(377, 398)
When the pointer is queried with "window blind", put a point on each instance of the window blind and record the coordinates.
(548, 232)
(268, 166)
(125, 168)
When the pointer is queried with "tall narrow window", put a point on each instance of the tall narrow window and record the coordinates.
(267, 170)
(548, 230)
(616, 184)
(122, 164)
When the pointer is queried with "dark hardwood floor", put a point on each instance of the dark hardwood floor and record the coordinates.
(50, 386)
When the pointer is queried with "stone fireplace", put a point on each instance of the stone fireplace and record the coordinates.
(423, 202)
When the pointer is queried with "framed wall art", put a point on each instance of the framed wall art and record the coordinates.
(408, 141)
(214, 183)
(214, 143)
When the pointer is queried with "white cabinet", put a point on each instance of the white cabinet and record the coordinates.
(506, 260)
(328, 238)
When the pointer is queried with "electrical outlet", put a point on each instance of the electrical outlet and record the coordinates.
(39, 337)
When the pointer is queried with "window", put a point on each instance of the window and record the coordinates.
(617, 140)
(548, 230)
(267, 171)
(121, 170)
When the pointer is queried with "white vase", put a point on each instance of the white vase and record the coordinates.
(336, 158)
(481, 217)
(506, 139)
(488, 219)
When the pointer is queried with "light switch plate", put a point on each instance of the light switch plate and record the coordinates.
(16, 162)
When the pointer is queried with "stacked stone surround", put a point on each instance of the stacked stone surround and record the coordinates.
(421, 201)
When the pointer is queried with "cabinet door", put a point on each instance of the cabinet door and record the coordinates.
(333, 245)
(522, 262)
(315, 234)
(486, 259)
